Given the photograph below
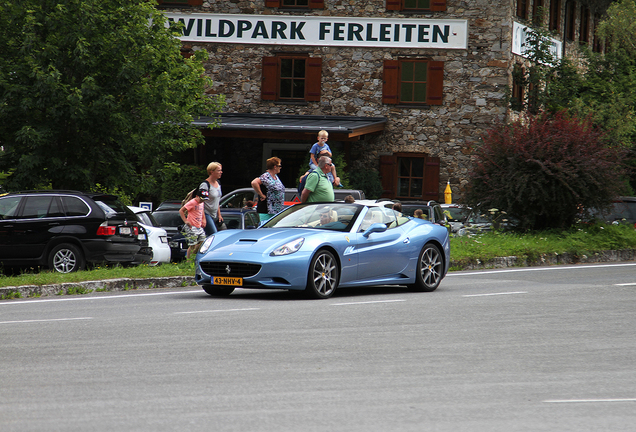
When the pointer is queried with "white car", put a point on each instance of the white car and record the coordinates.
(157, 236)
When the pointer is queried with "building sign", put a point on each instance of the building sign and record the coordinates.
(520, 45)
(323, 31)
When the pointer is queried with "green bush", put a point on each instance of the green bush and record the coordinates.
(178, 180)
(367, 180)
(543, 169)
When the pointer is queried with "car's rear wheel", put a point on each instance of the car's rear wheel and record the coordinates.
(66, 258)
(218, 291)
(430, 268)
(322, 279)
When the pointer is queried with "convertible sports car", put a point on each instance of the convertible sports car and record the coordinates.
(319, 247)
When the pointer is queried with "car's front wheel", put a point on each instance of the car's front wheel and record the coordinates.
(66, 258)
(430, 268)
(322, 279)
(218, 291)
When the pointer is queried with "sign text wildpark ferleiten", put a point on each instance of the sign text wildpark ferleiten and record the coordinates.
(323, 30)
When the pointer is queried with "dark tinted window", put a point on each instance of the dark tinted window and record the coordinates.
(40, 207)
(75, 206)
(168, 218)
(112, 206)
(8, 206)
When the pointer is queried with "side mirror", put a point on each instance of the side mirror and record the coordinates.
(376, 227)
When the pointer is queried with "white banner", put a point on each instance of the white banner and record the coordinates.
(520, 38)
(323, 30)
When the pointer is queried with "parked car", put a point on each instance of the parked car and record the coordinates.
(319, 247)
(623, 210)
(157, 236)
(239, 197)
(456, 215)
(432, 211)
(477, 223)
(240, 218)
(169, 219)
(65, 230)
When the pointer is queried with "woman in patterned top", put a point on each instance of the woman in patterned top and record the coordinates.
(273, 200)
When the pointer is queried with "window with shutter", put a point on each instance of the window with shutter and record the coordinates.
(291, 78)
(413, 81)
(296, 4)
(410, 176)
(416, 5)
(180, 2)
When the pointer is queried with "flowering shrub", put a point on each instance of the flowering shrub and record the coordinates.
(543, 169)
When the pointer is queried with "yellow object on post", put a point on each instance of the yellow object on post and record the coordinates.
(448, 194)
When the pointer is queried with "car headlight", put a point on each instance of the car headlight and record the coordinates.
(206, 244)
(288, 248)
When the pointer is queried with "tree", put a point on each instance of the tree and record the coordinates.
(543, 169)
(94, 93)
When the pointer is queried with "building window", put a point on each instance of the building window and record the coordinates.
(584, 30)
(518, 87)
(555, 15)
(296, 4)
(416, 5)
(413, 81)
(412, 176)
(522, 9)
(291, 78)
(570, 19)
(537, 12)
(168, 3)
(596, 41)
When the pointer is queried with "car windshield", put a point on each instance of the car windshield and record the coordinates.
(112, 206)
(456, 214)
(329, 216)
(168, 218)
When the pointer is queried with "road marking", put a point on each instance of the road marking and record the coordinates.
(626, 284)
(367, 302)
(218, 310)
(495, 294)
(27, 301)
(539, 269)
(588, 400)
(45, 320)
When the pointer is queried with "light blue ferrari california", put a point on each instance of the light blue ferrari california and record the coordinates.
(319, 247)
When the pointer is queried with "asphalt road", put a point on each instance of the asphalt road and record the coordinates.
(534, 349)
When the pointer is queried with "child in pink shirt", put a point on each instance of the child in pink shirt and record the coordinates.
(194, 221)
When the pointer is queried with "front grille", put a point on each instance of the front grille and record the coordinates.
(236, 269)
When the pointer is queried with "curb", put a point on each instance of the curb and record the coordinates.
(128, 284)
(122, 284)
(547, 260)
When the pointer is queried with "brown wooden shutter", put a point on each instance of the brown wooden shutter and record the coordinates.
(431, 178)
(438, 5)
(435, 88)
(269, 80)
(391, 74)
(316, 4)
(272, 3)
(388, 175)
(313, 76)
(195, 2)
(393, 5)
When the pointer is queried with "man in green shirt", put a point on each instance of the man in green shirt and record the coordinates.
(318, 188)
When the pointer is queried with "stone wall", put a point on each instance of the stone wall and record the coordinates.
(474, 81)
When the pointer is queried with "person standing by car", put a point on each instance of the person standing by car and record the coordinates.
(194, 221)
(272, 200)
(318, 188)
(213, 217)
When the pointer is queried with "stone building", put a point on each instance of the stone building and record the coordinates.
(404, 87)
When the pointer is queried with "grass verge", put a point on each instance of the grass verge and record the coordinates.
(580, 240)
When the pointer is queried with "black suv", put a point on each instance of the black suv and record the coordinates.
(66, 229)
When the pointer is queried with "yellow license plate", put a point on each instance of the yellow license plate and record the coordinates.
(218, 280)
